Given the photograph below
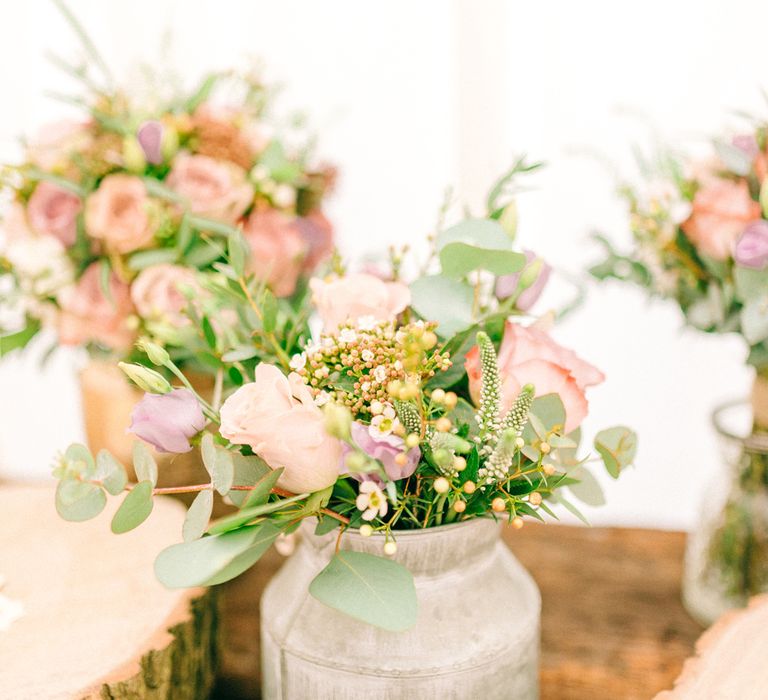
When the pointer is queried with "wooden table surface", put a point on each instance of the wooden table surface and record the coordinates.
(613, 627)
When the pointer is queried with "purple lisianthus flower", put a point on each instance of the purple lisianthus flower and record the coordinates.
(506, 285)
(385, 449)
(752, 247)
(168, 421)
(746, 143)
(150, 137)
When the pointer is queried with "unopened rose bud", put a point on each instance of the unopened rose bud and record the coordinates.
(338, 420)
(133, 155)
(460, 506)
(469, 487)
(517, 523)
(145, 378)
(157, 355)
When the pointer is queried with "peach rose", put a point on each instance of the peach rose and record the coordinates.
(317, 232)
(117, 213)
(156, 293)
(276, 416)
(214, 189)
(529, 356)
(87, 315)
(721, 211)
(356, 296)
(52, 211)
(52, 145)
(277, 250)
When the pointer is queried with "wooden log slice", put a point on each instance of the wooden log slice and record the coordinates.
(97, 624)
(730, 661)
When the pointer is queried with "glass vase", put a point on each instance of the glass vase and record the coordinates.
(727, 553)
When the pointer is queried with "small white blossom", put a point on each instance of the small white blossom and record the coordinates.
(366, 323)
(284, 196)
(384, 423)
(347, 336)
(298, 361)
(380, 373)
(371, 500)
(322, 398)
(367, 355)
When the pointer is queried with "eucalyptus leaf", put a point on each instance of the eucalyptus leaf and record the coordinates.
(248, 470)
(265, 537)
(259, 494)
(246, 515)
(550, 411)
(77, 501)
(482, 233)
(371, 589)
(458, 259)
(198, 515)
(144, 463)
(194, 563)
(135, 508)
(80, 457)
(447, 301)
(588, 490)
(754, 320)
(110, 472)
(617, 447)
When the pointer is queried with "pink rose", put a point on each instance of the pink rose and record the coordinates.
(277, 250)
(117, 213)
(721, 211)
(53, 211)
(52, 145)
(317, 232)
(277, 417)
(87, 315)
(530, 356)
(156, 293)
(214, 189)
(355, 296)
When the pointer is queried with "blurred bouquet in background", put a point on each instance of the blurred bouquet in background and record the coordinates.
(701, 238)
(404, 404)
(117, 221)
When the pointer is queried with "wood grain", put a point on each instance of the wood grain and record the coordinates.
(613, 627)
(97, 623)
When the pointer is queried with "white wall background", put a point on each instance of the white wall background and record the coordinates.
(411, 97)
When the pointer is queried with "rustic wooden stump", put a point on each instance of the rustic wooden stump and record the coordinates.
(730, 659)
(97, 624)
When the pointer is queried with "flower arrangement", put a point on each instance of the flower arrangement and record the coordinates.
(701, 238)
(115, 222)
(412, 406)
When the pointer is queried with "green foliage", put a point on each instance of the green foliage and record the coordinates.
(110, 472)
(144, 463)
(213, 559)
(19, 339)
(135, 508)
(458, 259)
(77, 501)
(371, 589)
(198, 515)
(617, 447)
(446, 301)
(251, 513)
(218, 463)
